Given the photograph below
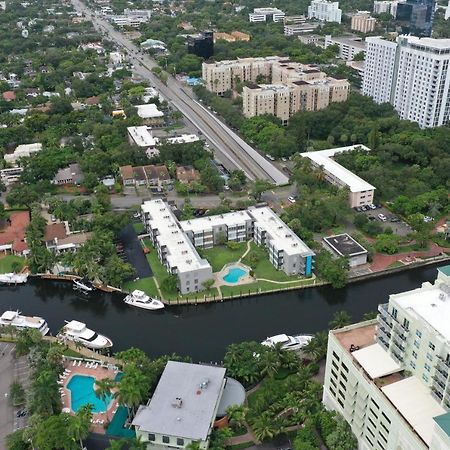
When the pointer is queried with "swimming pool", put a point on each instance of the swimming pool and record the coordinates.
(82, 392)
(234, 275)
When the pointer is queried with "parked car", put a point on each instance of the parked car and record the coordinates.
(372, 206)
(53, 218)
(292, 199)
(382, 217)
(270, 157)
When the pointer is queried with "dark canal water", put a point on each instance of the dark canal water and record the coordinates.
(204, 331)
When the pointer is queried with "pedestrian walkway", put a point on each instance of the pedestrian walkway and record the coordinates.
(246, 251)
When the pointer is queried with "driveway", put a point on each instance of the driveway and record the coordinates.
(134, 253)
(6, 378)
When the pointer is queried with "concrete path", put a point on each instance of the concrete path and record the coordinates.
(246, 251)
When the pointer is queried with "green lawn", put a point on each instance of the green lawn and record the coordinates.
(139, 227)
(7, 262)
(144, 284)
(219, 256)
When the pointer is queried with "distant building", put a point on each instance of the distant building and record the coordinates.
(231, 37)
(311, 39)
(201, 45)
(412, 75)
(9, 96)
(415, 17)
(10, 175)
(22, 151)
(153, 44)
(13, 235)
(388, 377)
(150, 175)
(344, 245)
(132, 18)
(324, 10)
(187, 174)
(58, 240)
(117, 58)
(447, 11)
(266, 14)
(385, 6)
(72, 174)
(183, 408)
(142, 137)
(150, 114)
(299, 28)
(349, 47)
(361, 192)
(363, 22)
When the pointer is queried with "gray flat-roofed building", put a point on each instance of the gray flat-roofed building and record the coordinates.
(183, 408)
(344, 245)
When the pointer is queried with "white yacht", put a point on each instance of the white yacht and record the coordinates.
(141, 300)
(13, 278)
(83, 285)
(288, 342)
(79, 332)
(15, 319)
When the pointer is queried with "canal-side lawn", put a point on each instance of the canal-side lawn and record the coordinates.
(8, 262)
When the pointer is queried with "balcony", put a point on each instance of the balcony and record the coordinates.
(436, 395)
(440, 375)
(398, 347)
(383, 343)
(438, 386)
(384, 333)
(397, 356)
(385, 321)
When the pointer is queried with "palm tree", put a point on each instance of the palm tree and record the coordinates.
(316, 349)
(271, 363)
(265, 427)
(137, 444)
(340, 320)
(80, 424)
(237, 416)
(104, 388)
(116, 444)
(194, 445)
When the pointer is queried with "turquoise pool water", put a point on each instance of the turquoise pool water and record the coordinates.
(234, 275)
(82, 392)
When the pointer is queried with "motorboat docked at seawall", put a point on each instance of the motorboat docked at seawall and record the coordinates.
(13, 278)
(288, 342)
(141, 300)
(83, 285)
(79, 332)
(15, 319)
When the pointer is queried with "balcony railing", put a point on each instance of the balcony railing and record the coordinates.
(436, 395)
(438, 386)
(398, 347)
(385, 321)
(384, 333)
(382, 342)
(397, 356)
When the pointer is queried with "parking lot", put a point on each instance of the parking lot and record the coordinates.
(387, 219)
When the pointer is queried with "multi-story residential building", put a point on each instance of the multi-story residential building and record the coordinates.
(412, 74)
(183, 408)
(349, 47)
(415, 17)
(389, 377)
(142, 137)
(299, 28)
(175, 241)
(132, 18)
(363, 22)
(385, 6)
(175, 250)
(361, 192)
(325, 11)
(22, 151)
(266, 14)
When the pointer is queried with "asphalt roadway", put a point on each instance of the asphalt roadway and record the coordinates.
(230, 149)
(6, 378)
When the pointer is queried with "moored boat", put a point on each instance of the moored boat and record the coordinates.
(15, 319)
(288, 342)
(83, 285)
(13, 278)
(79, 332)
(141, 300)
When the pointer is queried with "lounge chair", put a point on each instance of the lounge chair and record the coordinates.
(74, 363)
(68, 371)
(63, 394)
(101, 422)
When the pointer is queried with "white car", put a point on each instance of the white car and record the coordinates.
(292, 199)
(270, 157)
(382, 217)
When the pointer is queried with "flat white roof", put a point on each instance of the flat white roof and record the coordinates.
(149, 111)
(183, 139)
(282, 236)
(376, 361)
(142, 136)
(324, 158)
(429, 302)
(184, 403)
(414, 402)
(181, 252)
(207, 223)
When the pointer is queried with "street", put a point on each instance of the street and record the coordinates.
(231, 150)
(6, 378)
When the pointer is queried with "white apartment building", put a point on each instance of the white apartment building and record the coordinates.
(22, 151)
(10, 175)
(132, 18)
(299, 28)
(363, 22)
(385, 6)
(266, 14)
(325, 11)
(361, 192)
(142, 137)
(389, 377)
(349, 47)
(411, 74)
(175, 250)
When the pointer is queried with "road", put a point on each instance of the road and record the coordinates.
(230, 148)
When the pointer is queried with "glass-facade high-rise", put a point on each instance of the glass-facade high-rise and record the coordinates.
(415, 17)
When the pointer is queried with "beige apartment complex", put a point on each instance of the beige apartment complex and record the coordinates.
(363, 22)
(293, 86)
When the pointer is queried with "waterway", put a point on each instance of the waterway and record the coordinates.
(204, 331)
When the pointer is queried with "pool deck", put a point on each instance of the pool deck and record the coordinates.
(244, 279)
(99, 373)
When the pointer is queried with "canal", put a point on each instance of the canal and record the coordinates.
(204, 331)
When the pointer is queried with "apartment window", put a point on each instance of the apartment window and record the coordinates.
(386, 417)
(341, 394)
(425, 378)
(333, 382)
(418, 334)
(343, 376)
(340, 402)
(414, 354)
(342, 385)
(416, 344)
(166, 439)
(427, 367)
(345, 367)
(151, 437)
(394, 313)
(432, 346)
(369, 430)
(180, 441)
(375, 403)
(333, 392)
(412, 364)
(333, 373)
(406, 324)
(429, 356)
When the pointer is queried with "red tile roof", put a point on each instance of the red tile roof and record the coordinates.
(9, 96)
(14, 232)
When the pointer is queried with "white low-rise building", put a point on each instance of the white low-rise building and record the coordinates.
(142, 137)
(132, 18)
(10, 175)
(22, 151)
(349, 46)
(343, 245)
(361, 192)
(150, 113)
(325, 10)
(266, 14)
(389, 377)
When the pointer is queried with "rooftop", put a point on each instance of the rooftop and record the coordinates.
(353, 41)
(205, 223)
(324, 158)
(184, 403)
(14, 233)
(142, 136)
(149, 111)
(357, 335)
(376, 361)
(345, 245)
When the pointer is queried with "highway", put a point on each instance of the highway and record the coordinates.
(229, 148)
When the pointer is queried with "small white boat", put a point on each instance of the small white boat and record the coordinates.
(13, 278)
(83, 285)
(79, 332)
(141, 300)
(15, 319)
(288, 342)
